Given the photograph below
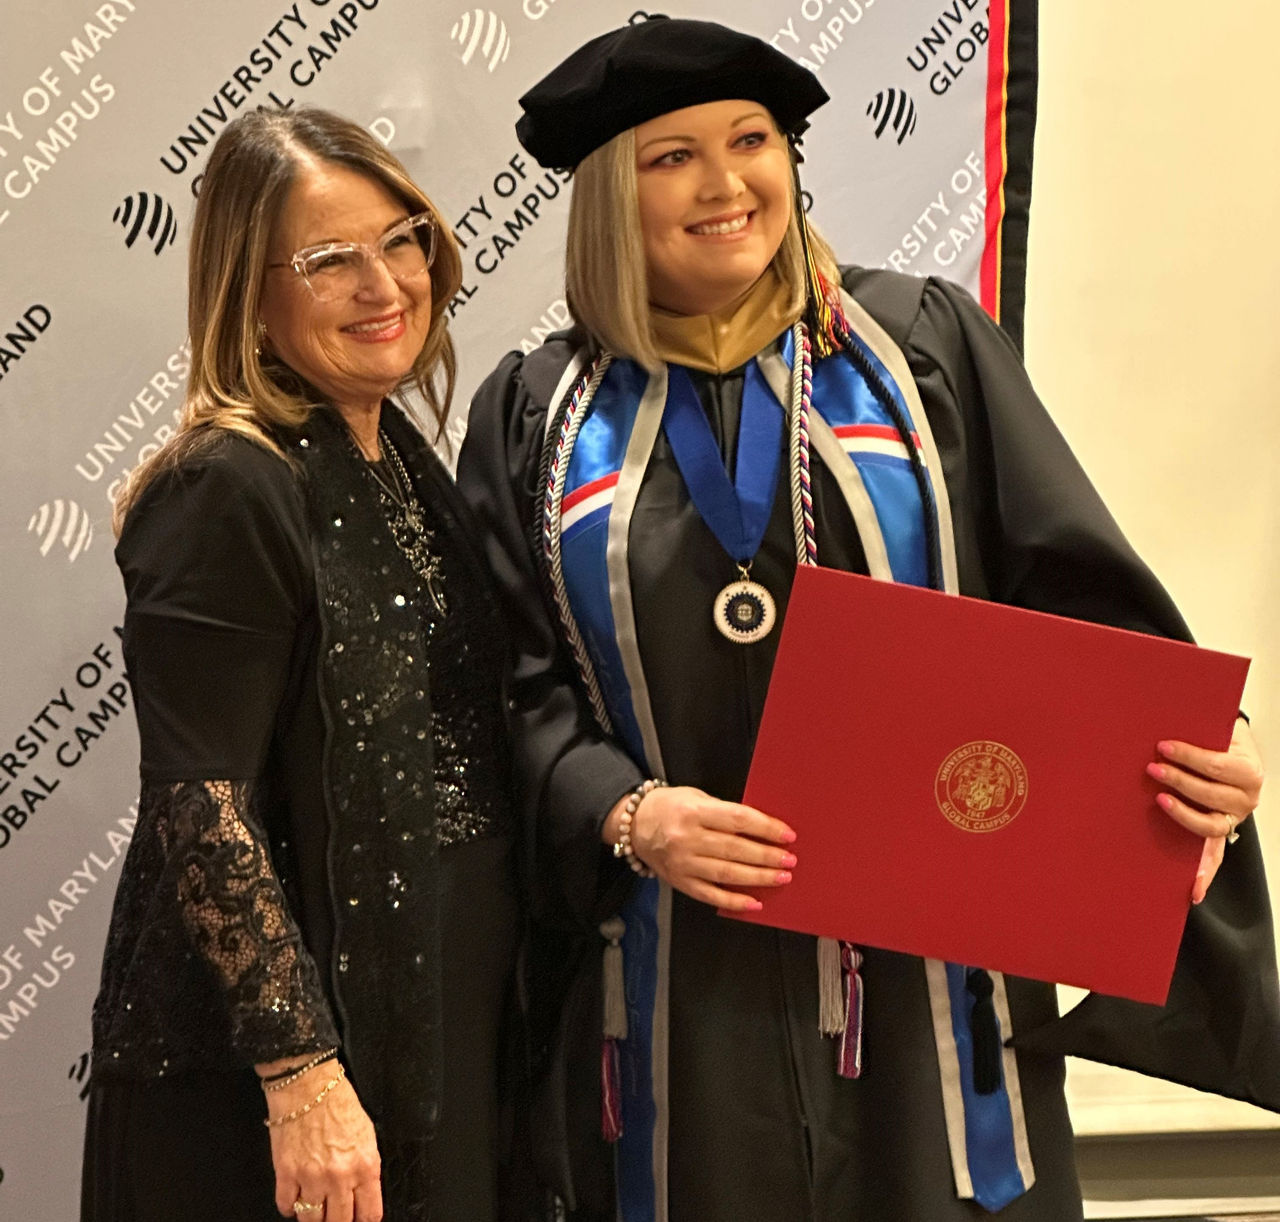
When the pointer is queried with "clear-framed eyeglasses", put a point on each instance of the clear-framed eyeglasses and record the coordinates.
(337, 269)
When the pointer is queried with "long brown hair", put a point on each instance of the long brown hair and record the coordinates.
(234, 386)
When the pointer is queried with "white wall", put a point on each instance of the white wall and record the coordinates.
(1152, 331)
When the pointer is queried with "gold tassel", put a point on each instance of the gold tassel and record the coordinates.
(821, 314)
(615, 1005)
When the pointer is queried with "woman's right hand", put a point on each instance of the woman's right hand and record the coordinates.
(327, 1157)
(703, 846)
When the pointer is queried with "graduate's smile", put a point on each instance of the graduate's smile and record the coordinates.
(714, 189)
(731, 225)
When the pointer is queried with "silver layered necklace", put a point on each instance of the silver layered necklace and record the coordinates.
(393, 479)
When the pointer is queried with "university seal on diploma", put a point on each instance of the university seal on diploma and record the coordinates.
(981, 786)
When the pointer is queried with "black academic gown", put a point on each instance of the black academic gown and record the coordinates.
(761, 1126)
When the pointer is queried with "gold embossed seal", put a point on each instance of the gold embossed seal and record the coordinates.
(982, 786)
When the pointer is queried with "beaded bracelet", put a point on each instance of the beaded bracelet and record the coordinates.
(286, 1077)
(273, 1122)
(624, 849)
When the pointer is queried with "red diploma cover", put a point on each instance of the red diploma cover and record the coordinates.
(966, 781)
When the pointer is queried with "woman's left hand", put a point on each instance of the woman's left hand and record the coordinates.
(1215, 791)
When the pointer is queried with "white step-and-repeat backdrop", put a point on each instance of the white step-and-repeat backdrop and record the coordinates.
(107, 114)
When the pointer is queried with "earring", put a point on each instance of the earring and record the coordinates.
(259, 336)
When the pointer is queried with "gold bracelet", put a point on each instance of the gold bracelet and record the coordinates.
(298, 1112)
(278, 1081)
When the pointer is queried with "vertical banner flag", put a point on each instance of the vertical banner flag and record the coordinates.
(108, 110)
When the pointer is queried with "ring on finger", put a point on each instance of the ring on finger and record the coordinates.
(307, 1207)
(1231, 834)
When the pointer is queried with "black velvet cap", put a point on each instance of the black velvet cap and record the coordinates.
(647, 69)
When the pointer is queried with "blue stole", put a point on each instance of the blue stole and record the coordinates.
(990, 1159)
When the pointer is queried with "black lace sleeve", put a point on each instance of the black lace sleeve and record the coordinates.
(235, 917)
(204, 960)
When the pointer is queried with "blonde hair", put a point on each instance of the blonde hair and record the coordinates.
(606, 285)
(233, 385)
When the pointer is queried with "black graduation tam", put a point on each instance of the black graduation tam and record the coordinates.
(641, 71)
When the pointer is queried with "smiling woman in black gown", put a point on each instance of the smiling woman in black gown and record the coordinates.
(710, 325)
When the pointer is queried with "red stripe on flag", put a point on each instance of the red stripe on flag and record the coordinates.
(996, 153)
(884, 432)
(596, 485)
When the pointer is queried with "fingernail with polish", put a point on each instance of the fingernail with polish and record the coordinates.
(1164, 801)
(788, 861)
(753, 906)
(1157, 771)
(784, 876)
(1165, 748)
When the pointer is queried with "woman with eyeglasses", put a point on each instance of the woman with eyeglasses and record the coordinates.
(303, 987)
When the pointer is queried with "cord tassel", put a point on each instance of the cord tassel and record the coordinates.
(610, 1093)
(850, 1060)
(985, 1031)
(831, 1002)
(614, 1007)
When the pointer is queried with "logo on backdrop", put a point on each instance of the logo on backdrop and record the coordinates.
(79, 1072)
(475, 25)
(25, 332)
(956, 39)
(62, 522)
(893, 110)
(296, 48)
(146, 210)
(56, 740)
(821, 29)
(490, 230)
(947, 222)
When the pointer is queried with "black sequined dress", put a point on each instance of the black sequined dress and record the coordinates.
(324, 852)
